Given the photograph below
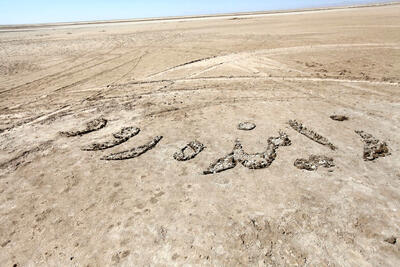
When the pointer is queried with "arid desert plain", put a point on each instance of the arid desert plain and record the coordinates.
(190, 188)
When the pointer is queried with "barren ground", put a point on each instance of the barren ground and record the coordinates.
(197, 80)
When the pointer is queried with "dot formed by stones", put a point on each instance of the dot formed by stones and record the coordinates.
(246, 126)
(313, 162)
(91, 126)
(190, 151)
(373, 148)
(119, 137)
(134, 152)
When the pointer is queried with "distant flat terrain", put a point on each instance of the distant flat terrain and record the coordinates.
(25, 27)
(120, 143)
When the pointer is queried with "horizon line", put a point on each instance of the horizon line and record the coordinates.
(171, 18)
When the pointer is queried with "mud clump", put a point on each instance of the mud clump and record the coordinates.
(120, 137)
(299, 127)
(313, 162)
(373, 148)
(264, 159)
(391, 240)
(339, 118)
(134, 152)
(250, 161)
(91, 126)
(246, 126)
(281, 140)
(222, 164)
(126, 132)
(190, 151)
(256, 160)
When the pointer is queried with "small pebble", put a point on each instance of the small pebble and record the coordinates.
(246, 126)
(339, 118)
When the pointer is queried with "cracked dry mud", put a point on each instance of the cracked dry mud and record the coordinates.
(373, 148)
(120, 137)
(190, 151)
(268, 243)
(134, 152)
(91, 126)
(313, 162)
(246, 126)
(250, 161)
(299, 127)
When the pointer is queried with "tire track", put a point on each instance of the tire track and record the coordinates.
(97, 74)
(179, 66)
(225, 101)
(22, 158)
(66, 61)
(62, 74)
(272, 78)
(274, 51)
(38, 118)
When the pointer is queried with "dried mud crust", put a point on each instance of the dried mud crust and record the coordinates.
(373, 148)
(91, 126)
(120, 137)
(299, 127)
(266, 242)
(313, 162)
(251, 161)
(134, 152)
(25, 157)
(246, 126)
(339, 117)
(190, 151)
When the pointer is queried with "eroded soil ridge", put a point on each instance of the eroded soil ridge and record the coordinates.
(251, 161)
(134, 152)
(313, 162)
(190, 151)
(120, 137)
(373, 148)
(91, 126)
(299, 127)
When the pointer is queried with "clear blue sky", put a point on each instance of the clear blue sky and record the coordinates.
(38, 11)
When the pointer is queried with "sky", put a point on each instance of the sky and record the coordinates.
(44, 11)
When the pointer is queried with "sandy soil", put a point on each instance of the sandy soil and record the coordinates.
(270, 202)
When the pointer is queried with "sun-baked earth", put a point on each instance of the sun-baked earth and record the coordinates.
(197, 80)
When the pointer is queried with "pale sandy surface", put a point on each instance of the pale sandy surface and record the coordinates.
(196, 80)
